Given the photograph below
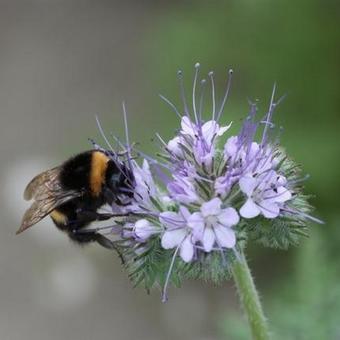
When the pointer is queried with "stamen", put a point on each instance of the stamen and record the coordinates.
(165, 288)
(265, 180)
(281, 99)
(153, 160)
(164, 178)
(230, 76)
(182, 92)
(203, 178)
(103, 134)
(202, 88)
(171, 105)
(265, 208)
(277, 195)
(119, 143)
(211, 76)
(202, 248)
(197, 67)
(179, 223)
(161, 139)
(127, 136)
(311, 218)
(272, 106)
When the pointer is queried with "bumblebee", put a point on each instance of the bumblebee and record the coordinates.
(73, 192)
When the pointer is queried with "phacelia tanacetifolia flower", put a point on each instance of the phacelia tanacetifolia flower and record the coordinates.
(209, 193)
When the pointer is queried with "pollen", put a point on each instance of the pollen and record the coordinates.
(58, 217)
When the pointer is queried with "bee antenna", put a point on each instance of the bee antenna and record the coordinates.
(94, 144)
(103, 134)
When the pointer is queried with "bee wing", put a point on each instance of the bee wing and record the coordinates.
(40, 183)
(48, 194)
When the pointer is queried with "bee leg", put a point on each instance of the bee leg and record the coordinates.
(84, 236)
(109, 195)
(91, 216)
(103, 216)
(112, 197)
(108, 244)
(122, 204)
(107, 216)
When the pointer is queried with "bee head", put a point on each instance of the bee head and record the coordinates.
(120, 179)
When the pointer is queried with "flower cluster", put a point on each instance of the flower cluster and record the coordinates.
(208, 193)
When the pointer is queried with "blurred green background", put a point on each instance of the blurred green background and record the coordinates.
(62, 62)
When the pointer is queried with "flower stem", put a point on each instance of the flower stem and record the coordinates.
(250, 298)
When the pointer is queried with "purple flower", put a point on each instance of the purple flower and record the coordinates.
(182, 189)
(197, 137)
(145, 185)
(178, 234)
(265, 195)
(244, 158)
(144, 229)
(210, 226)
(213, 224)
(145, 189)
(202, 199)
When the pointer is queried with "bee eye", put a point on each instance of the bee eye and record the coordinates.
(115, 182)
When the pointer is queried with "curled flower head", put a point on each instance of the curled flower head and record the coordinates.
(199, 138)
(209, 193)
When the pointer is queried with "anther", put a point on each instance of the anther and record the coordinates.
(197, 66)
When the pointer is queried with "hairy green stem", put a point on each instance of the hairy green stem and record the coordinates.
(250, 298)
